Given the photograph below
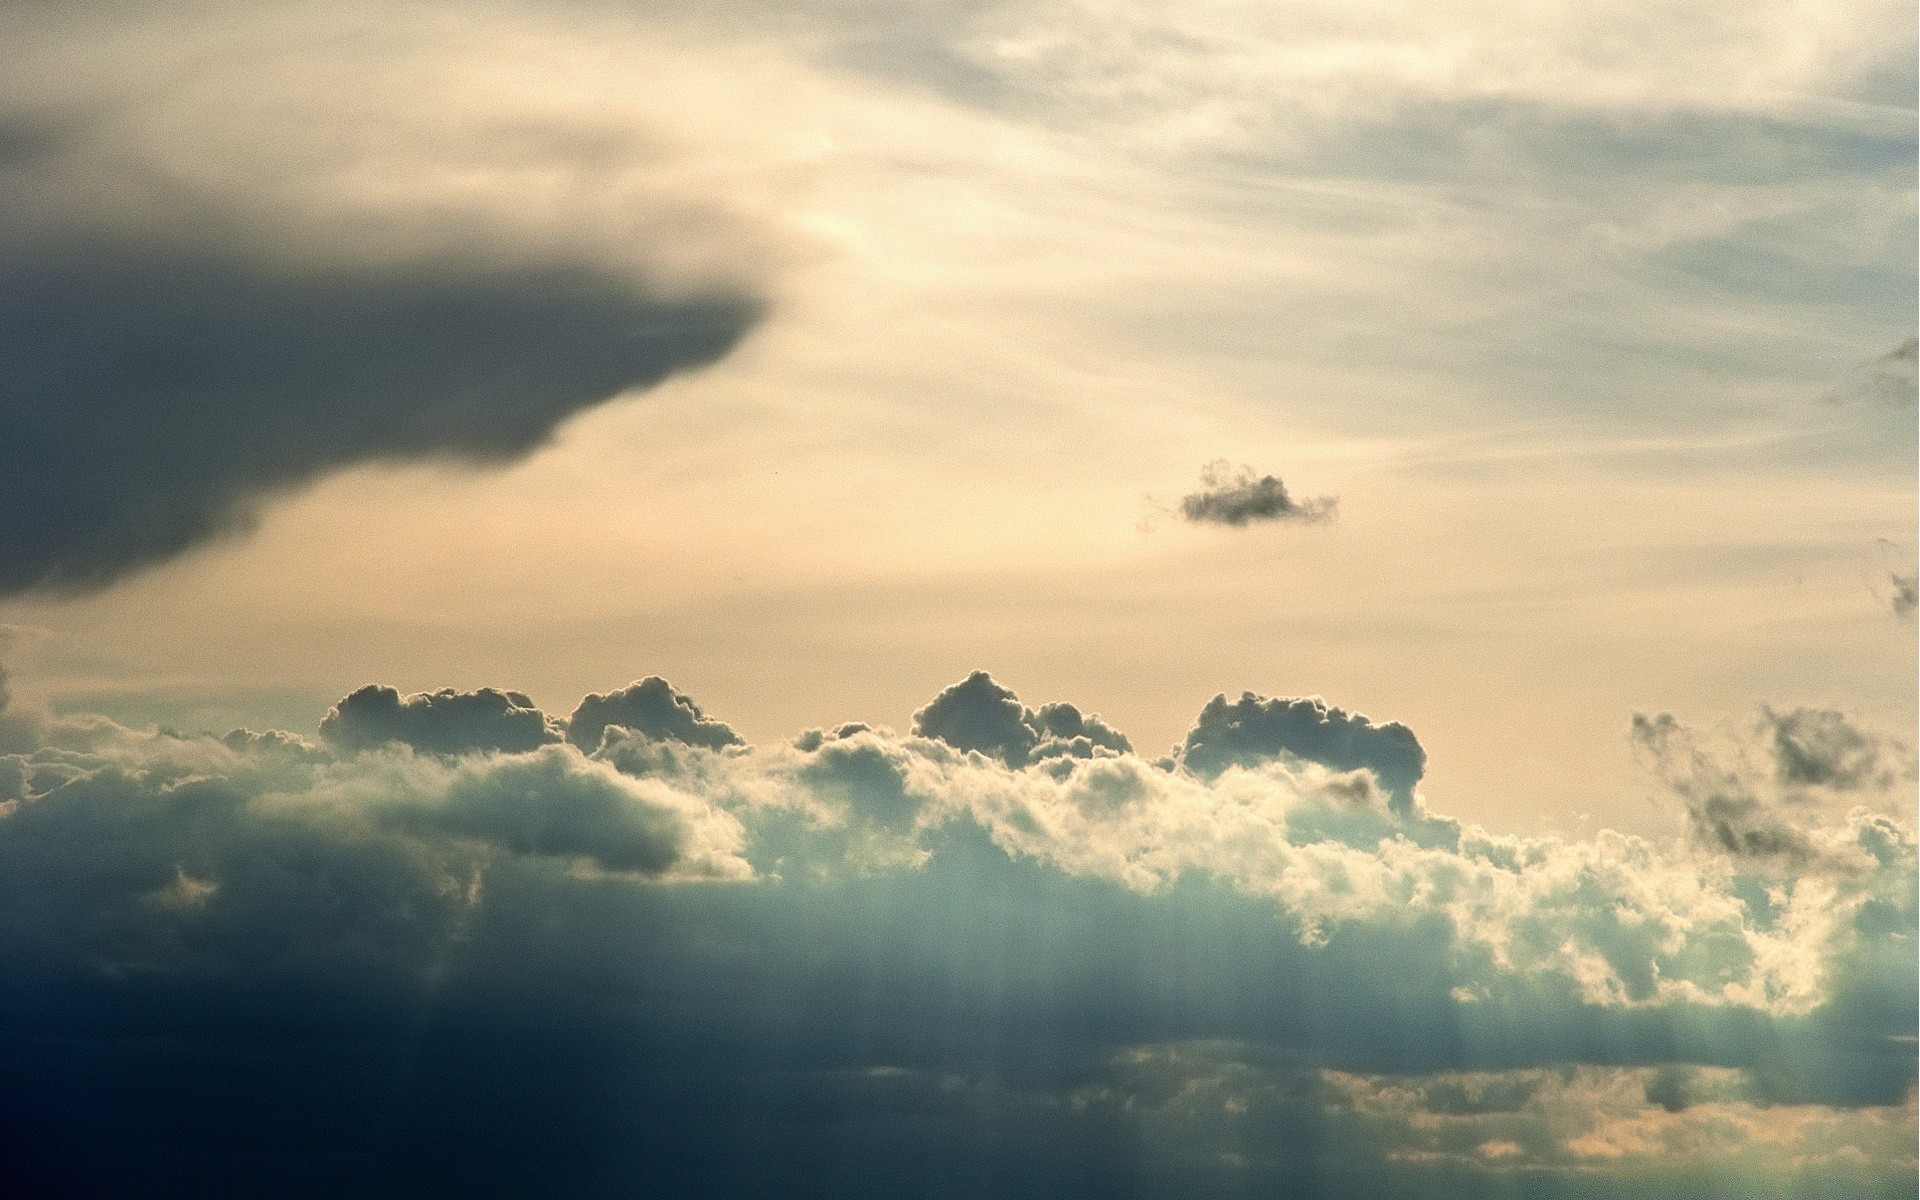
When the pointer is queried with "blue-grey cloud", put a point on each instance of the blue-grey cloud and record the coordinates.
(153, 396)
(247, 965)
(1820, 747)
(1905, 595)
(442, 722)
(980, 714)
(651, 707)
(1243, 497)
(1255, 729)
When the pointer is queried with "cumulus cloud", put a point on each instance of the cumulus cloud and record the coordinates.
(979, 714)
(650, 707)
(442, 722)
(1242, 497)
(1090, 972)
(552, 803)
(1256, 729)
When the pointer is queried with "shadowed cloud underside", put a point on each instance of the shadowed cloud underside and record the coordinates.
(153, 399)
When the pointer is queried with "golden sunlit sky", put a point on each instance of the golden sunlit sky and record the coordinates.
(1576, 311)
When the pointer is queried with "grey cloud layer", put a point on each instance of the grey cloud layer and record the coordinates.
(213, 293)
(153, 398)
(1088, 975)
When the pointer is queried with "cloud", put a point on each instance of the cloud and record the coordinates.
(156, 396)
(1238, 498)
(552, 803)
(1255, 729)
(650, 707)
(1819, 747)
(1783, 794)
(1905, 595)
(443, 722)
(1886, 382)
(249, 962)
(217, 290)
(979, 714)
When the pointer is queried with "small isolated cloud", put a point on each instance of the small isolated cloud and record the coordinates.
(1887, 382)
(1238, 497)
(1906, 595)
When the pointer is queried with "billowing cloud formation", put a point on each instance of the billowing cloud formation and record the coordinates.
(154, 396)
(250, 964)
(979, 714)
(443, 722)
(1236, 498)
(651, 707)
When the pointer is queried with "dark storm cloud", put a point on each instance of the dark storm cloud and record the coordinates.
(1237, 498)
(979, 714)
(251, 966)
(152, 397)
(651, 707)
(442, 722)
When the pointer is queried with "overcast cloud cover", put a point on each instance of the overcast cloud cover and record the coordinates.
(1549, 832)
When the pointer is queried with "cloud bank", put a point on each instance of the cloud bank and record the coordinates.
(448, 950)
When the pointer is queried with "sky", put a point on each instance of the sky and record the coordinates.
(958, 597)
